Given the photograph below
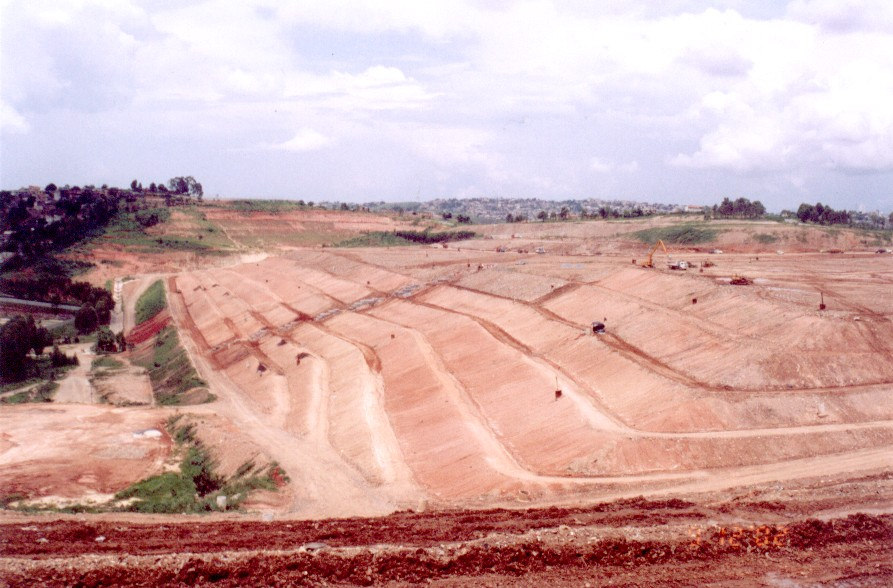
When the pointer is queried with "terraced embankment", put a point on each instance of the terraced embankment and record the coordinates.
(382, 378)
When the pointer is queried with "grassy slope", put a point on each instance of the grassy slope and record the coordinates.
(151, 302)
(170, 371)
(198, 236)
(683, 234)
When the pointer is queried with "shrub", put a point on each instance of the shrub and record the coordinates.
(397, 238)
(59, 359)
(105, 341)
(151, 216)
(685, 234)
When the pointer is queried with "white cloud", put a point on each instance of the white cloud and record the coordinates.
(11, 121)
(826, 102)
(486, 96)
(376, 88)
(306, 140)
(845, 17)
(448, 146)
(601, 166)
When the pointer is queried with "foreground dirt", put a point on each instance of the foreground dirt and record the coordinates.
(626, 543)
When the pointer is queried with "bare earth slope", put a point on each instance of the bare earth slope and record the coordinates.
(463, 388)
(388, 362)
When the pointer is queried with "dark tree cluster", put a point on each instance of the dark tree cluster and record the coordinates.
(739, 208)
(429, 237)
(822, 215)
(48, 280)
(18, 337)
(185, 185)
(43, 223)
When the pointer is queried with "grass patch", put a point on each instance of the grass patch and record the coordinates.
(765, 238)
(196, 486)
(151, 302)
(106, 362)
(170, 371)
(193, 488)
(207, 232)
(9, 386)
(373, 239)
(875, 238)
(685, 234)
(41, 371)
(42, 392)
(273, 206)
(126, 231)
(399, 238)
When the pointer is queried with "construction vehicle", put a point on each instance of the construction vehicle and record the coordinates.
(649, 262)
(677, 265)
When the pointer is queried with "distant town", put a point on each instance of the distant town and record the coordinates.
(498, 210)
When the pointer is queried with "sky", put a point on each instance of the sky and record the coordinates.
(362, 100)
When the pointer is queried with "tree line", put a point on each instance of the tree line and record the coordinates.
(822, 215)
(739, 208)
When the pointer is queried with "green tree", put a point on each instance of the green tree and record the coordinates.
(41, 340)
(542, 215)
(85, 320)
(565, 212)
(104, 308)
(105, 341)
(16, 339)
(178, 185)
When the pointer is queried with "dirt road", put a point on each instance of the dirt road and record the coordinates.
(76, 386)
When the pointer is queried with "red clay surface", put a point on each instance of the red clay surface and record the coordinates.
(627, 543)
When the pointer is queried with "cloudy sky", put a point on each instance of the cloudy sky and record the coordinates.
(360, 100)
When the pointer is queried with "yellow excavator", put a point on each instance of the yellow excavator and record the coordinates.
(660, 244)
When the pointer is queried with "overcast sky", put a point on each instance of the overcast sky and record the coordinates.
(672, 101)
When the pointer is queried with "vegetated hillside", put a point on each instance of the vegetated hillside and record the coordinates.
(274, 224)
(151, 302)
(397, 238)
(156, 347)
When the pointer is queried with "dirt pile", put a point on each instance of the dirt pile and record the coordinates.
(645, 542)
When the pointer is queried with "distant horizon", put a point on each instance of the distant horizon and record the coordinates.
(359, 101)
(217, 197)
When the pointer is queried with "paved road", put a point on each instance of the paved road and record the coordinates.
(38, 304)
